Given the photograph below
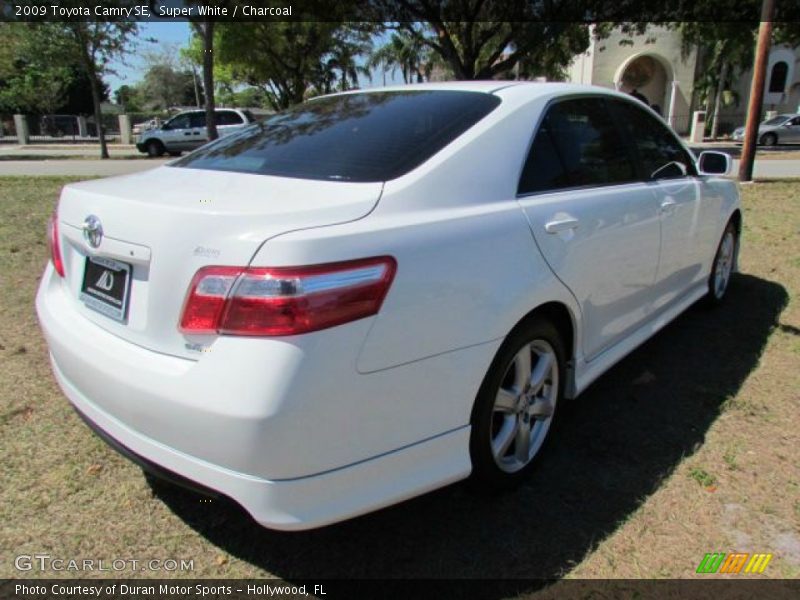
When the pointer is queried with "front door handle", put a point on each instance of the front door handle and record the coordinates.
(668, 205)
(562, 224)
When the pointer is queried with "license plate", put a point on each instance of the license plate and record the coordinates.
(106, 286)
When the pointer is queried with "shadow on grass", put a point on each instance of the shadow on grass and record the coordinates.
(613, 447)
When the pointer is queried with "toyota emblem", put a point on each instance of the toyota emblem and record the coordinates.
(93, 231)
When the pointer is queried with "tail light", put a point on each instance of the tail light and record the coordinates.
(285, 300)
(53, 244)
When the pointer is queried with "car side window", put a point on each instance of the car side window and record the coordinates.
(179, 122)
(228, 117)
(576, 145)
(198, 119)
(660, 155)
(794, 122)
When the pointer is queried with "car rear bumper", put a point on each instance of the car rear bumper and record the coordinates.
(296, 504)
(245, 421)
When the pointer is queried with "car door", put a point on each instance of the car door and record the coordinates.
(174, 133)
(792, 135)
(594, 222)
(686, 222)
(199, 132)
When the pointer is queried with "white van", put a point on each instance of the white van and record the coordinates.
(187, 131)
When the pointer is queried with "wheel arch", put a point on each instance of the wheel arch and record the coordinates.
(563, 319)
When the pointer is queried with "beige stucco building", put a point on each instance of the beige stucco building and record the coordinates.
(654, 65)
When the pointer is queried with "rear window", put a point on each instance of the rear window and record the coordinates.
(358, 137)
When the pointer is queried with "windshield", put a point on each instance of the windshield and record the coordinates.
(352, 137)
(776, 121)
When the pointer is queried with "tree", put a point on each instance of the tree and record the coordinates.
(290, 59)
(95, 44)
(128, 98)
(33, 78)
(167, 82)
(78, 96)
(727, 50)
(477, 39)
(407, 53)
(164, 87)
(204, 30)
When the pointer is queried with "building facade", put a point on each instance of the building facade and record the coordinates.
(655, 67)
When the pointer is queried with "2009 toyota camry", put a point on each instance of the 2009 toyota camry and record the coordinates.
(377, 293)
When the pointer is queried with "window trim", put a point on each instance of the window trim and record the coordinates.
(691, 172)
(218, 112)
(548, 105)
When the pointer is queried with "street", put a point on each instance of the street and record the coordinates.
(77, 160)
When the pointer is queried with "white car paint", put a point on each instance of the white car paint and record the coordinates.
(310, 429)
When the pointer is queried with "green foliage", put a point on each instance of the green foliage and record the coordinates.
(486, 40)
(407, 53)
(32, 78)
(702, 477)
(290, 60)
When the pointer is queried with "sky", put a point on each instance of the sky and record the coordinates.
(131, 69)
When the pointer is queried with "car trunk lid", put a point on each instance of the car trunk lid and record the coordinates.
(167, 223)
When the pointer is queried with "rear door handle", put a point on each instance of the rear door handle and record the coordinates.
(562, 224)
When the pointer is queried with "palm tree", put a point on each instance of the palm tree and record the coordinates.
(405, 53)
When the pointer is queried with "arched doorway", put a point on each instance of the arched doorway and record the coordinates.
(650, 76)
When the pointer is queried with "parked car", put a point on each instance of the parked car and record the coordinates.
(187, 131)
(783, 129)
(375, 294)
(140, 128)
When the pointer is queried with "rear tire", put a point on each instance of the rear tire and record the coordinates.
(516, 403)
(154, 148)
(722, 269)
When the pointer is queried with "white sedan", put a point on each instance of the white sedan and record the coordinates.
(375, 294)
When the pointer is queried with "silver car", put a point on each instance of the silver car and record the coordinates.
(187, 131)
(783, 129)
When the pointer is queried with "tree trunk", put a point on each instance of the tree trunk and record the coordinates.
(98, 116)
(723, 74)
(207, 32)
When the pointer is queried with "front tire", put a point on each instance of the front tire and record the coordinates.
(769, 139)
(516, 403)
(722, 269)
(154, 148)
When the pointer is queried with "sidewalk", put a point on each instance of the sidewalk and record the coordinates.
(47, 151)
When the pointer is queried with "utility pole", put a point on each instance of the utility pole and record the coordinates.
(196, 87)
(756, 91)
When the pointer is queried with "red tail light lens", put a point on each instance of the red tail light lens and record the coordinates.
(53, 244)
(285, 300)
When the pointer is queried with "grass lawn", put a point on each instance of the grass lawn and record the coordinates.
(690, 445)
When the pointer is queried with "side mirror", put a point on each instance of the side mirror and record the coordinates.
(714, 163)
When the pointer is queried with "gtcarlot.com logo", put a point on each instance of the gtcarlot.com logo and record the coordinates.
(46, 562)
(733, 563)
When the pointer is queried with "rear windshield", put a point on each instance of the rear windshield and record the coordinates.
(358, 137)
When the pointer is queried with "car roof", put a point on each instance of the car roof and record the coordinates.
(531, 89)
